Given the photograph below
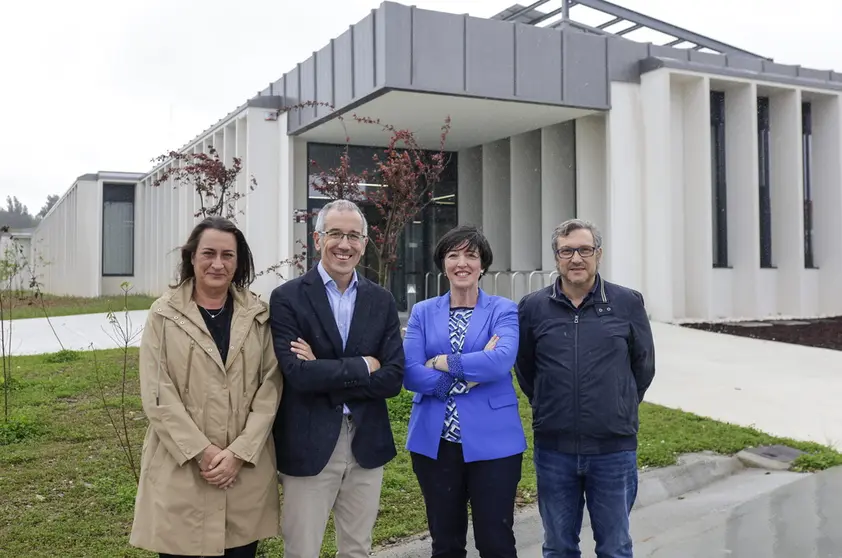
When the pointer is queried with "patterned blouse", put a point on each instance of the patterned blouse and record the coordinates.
(458, 326)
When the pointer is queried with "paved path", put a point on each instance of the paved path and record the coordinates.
(34, 336)
(749, 515)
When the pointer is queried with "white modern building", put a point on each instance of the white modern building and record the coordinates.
(715, 173)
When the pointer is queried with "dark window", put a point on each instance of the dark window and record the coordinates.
(763, 142)
(807, 155)
(415, 267)
(719, 198)
(118, 229)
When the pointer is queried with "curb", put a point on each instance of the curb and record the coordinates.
(692, 472)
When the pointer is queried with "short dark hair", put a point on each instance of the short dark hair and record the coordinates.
(243, 275)
(464, 236)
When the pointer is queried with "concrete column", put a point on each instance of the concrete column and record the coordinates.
(658, 233)
(787, 198)
(288, 198)
(742, 191)
(558, 184)
(525, 195)
(243, 178)
(698, 224)
(591, 174)
(623, 254)
(496, 199)
(469, 188)
(263, 144)
(827, 200)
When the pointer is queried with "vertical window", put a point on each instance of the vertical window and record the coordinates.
(807, 156)
(719, 206)
(763, 143)
(118, 229)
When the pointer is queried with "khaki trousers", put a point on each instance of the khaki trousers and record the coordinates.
(353, 493)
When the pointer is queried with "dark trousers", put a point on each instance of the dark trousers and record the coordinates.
(608, 483)
(448, 484)
(248, 551)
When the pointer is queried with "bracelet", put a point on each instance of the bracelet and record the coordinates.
(436, 361)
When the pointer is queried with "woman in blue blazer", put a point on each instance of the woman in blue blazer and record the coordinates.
(465, 435)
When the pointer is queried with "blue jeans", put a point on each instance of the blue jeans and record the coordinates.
(607, 482)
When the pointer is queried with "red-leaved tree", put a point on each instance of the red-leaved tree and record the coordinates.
(400, 184)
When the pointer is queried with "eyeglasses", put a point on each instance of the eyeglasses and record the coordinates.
(353, 238)
(567, 253)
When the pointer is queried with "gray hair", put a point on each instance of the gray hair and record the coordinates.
(571, 225)
(340, 205)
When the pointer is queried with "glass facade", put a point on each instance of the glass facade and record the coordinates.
(414, 274)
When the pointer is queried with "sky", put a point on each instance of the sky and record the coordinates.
(99, 85)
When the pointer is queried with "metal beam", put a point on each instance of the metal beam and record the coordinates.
(666, 28)
(628, 30)
(610, 22)
(526, 10)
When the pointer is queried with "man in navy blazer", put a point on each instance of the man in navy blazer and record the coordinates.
(465, 434)
(337, 338)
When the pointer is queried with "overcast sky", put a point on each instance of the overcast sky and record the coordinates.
(91, 85)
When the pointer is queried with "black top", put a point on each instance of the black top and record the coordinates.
(310, 415)
(219, 325)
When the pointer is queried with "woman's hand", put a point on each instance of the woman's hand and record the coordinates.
(207, 456)
(223, 469)
(302, 350)
(492, 342)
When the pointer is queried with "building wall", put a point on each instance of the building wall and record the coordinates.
(16, 257)
(66, 245)
(166, 214)
(680, 278)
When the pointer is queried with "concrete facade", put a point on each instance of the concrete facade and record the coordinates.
(548, 123)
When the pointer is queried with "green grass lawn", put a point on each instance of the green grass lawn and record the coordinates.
(27, 305)
(65, 489)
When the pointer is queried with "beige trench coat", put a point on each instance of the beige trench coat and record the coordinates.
(192, 400)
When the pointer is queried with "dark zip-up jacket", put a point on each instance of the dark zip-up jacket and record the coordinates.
(585, 370)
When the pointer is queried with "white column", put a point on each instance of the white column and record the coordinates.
(469, 189)
(827, 200)
(591, 174)
(658, 160)
(287, 228)
(623, 254)
(525, 196)
(496, 188)
(698, 223)
(263, 143)
(243, 178)
(787, 198)
(558, 184)
(742, 192)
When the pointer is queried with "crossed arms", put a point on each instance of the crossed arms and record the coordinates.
(439, 375)
(377, 376)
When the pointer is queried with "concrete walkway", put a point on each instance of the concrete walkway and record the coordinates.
(786, 390)
(77, 333)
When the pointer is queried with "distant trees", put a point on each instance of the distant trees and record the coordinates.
(15, 215)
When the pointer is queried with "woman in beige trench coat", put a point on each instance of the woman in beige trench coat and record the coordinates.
(210, 387)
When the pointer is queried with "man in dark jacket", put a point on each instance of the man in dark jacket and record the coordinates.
(337, 338)
(586, 358)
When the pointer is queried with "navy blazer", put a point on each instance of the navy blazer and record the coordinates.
(309, 418)
(488, 414)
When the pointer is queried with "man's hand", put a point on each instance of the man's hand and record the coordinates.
(207, 456)
(373, 364)
(302, 350)
(223, 469)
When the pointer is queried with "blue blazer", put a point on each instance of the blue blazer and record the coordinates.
(488, 413)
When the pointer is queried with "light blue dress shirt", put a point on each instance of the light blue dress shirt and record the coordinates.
(342, 305)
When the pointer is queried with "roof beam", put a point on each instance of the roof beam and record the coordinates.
(526, 10)
(666, 28)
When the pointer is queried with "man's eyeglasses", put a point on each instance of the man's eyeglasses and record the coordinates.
(567, 253)
(353, 238)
